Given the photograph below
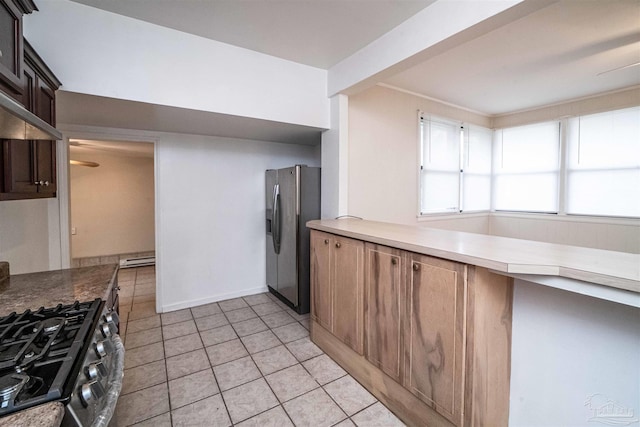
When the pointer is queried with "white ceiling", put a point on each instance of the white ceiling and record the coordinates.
(319, 33)
(552, 55)
(549, 56)
(126, 148)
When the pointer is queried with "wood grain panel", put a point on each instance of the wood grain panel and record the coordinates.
(488, 371)
(399, 400)
(384, 288)
(347, 273)
(434, 334)
(320, 264)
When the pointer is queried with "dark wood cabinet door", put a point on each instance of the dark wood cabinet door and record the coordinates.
(45, 157)
(384, 293)
(19, 167)
(11, 53)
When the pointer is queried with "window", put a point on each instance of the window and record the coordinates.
(455, 168)
(527, 168)
(603, 165)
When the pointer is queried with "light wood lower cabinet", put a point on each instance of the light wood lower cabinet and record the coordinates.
(429, 337)
(337, 269)
(434, 334)
(384, 296)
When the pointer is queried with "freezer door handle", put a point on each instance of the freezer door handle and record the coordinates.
(275, 219)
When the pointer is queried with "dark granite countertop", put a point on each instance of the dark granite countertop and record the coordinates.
(49, 288)
(46, 415)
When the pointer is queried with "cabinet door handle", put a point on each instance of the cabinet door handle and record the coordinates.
(338, 245)
(326, 241)
(46, 183)
(0, 54)
(416, 266)
(36, 183)
(394, 261)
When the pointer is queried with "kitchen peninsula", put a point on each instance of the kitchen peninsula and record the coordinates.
(453, 328)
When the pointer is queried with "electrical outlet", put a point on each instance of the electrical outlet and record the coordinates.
(73, 231)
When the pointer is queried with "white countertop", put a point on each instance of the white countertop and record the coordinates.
(619, 270)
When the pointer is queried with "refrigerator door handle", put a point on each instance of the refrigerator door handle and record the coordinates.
(275, 219)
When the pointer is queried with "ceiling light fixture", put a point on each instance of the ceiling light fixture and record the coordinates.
(83, 163)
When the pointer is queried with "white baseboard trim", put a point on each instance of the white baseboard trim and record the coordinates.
(213, 298)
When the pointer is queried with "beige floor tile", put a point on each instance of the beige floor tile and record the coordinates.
(257, 299)
(291, 382)
(218, 335)
(126, 292)
(261, 341)
(248, 400)
(345, 423)
(274, 359)
(275, 320)
(143, 355)
(191, 388)
(349, 394)
(176, 317)
(232, 304)
(303, 349)
(145, 289)
(377, 415)
(187, 363)
(210, 322)
(180, 329)
(139, 299)
(182, 344)
(143, 324)
(305, 323)
(323, 369)
(207, 412)
(163, 420)
(268, 308)
(314, 409)
(275, 417)
(241, 314)
(248, 327)
(146, 279)
(297, 316)
(143, 310)
(236, 372)
(138, 339)
(144, 376)
(206, 310)
(226, 352)
(142, 405)
(291, 332)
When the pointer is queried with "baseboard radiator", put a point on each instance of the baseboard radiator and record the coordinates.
(137, 261)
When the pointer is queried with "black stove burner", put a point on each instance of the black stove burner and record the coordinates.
(41, 352)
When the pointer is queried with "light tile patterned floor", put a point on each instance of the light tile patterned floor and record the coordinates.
(242, 362)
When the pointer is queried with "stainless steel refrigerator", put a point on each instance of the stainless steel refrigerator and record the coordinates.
(292, 199)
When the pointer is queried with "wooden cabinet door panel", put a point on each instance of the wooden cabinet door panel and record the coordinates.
(434, 340)
(19, 167)
(46, 166)
(384, 289)
(321, 302)
(347, 277)
(11, 46)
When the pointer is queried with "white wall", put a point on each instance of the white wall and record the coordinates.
(100, 53)
(28, 238)
(335, 162)
(112, 205)
(211, 215)
(567, 347)
(383, 152)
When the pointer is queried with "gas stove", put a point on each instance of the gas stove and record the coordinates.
(64, 353)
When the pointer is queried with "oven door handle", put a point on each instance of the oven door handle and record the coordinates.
(106, 411)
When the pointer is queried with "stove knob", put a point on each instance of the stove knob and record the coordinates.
(95, 371)
(90, 391)
(112, 318)
(103, 348)
(108, 329)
